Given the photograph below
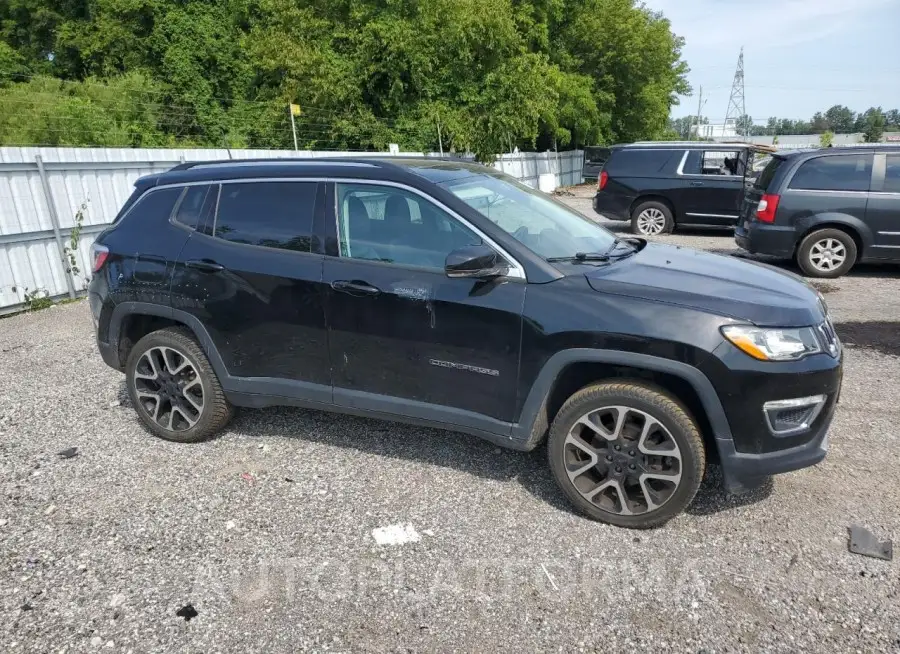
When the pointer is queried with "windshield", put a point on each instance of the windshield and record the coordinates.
(543, 225)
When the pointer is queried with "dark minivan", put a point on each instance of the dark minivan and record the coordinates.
(827, 209)
(659, 186)
(447, 294)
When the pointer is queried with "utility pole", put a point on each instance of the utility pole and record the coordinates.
(699, 109)
(440, 139)
(737, 106)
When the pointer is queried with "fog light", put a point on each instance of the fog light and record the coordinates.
(786, 417)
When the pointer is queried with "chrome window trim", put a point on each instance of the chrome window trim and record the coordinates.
(680, 170)
(819, 190)
(517, 271)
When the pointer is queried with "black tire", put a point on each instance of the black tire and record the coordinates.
(805, 253)
(215, 411)
(642, 401)
(657, 214)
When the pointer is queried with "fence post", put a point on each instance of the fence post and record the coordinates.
(54, 218)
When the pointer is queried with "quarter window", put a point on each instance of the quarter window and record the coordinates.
(845, 172)
(154, 204)
(268, 214)
(382, 223)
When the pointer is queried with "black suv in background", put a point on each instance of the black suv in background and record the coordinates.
(594, 159)
(827, 209)
(659, 186)
(446, 294)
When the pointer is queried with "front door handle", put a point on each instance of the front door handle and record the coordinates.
(696, 183)
(205, 265)
(357, 288)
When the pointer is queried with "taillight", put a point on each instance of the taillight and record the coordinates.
(99, 253)
(604, 177)
(767, 207)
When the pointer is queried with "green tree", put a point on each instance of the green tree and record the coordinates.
(840, 119)
(826, 139)
(480, 75)
(874, 130)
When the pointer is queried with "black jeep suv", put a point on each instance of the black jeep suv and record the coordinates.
(446, 294)
(661, 185)
(827, 209)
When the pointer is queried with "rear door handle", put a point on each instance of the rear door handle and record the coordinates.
(357, 288)
(205, 266)
(696, 183)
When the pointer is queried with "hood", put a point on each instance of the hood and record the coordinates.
(722, 285)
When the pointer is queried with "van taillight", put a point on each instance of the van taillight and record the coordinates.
(98, 256)
(604, 177)
(767, 208)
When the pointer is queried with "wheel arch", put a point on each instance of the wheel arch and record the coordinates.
(570, 370)
(130, 321)
(652, 197)
(853, 227)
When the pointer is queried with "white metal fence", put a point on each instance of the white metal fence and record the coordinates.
(42, 190)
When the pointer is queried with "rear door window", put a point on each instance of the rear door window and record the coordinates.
(845, 172)
(892, 174)
(196, 205)
(267, 214)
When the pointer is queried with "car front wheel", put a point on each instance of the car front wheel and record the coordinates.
(174, 389)
(626, 454)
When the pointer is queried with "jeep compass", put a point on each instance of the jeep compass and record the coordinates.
(446, 294)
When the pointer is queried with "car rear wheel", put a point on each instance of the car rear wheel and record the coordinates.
(174, 389)
(626, 454)
(652, 219)
(827, 253)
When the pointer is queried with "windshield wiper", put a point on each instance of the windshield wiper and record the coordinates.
(581, 256)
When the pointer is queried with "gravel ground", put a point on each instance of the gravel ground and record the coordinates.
(268, 531)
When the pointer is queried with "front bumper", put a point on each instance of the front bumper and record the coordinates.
(743, 471)
(752, 452)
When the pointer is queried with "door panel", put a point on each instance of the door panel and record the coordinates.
(883, 208)
(263, 306)
(399, 328)
(709, 199)
(425, 337)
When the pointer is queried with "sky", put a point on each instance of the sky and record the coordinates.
(800, 56)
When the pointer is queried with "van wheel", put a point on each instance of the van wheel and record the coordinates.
(651, 219)
(626, 454)
(173, 388)
(827, 253)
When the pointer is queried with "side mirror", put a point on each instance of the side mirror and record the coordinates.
(478, 261)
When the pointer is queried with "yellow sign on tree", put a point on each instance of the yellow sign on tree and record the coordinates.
(295, 109)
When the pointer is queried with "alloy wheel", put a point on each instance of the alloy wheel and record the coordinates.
(827, 255)
(622, 460)
(169, 388)
(651, 222)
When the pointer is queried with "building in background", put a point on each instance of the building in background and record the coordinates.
(726, 130)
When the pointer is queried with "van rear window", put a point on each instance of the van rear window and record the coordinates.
(768, 173)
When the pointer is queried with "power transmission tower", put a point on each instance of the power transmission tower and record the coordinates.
(736, 104)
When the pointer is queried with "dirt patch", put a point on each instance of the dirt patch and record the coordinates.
(881, 336)
(825, 288)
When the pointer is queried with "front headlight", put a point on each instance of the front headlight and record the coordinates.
(773, 343)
